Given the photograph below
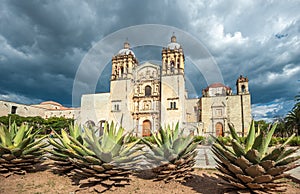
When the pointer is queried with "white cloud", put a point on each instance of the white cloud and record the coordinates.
(267, 111)
(19, 99)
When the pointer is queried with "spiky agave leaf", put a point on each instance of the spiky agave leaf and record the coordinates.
(173, 154)
(98, 159)
(254, 165)
(19, 149)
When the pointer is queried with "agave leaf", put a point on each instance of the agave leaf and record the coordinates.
(176, 132)
(65, 137)
(28, 131)
(128, 147)
(90, 135)
(221, 144)
(274, 155)
(157, 151)
(31, 150)
(58, 154)
(115, 150)
(107, 142)
(35, 142)
(259, 142)
(5, 137)
(288, 140)
(177, 144)
(250, 137)
(158, 142)
(186, 143)
(55, 143)
(268, 139)
(149, 144)
(165, 139)
(119, 134)
(24, 143)
(286, 153)
(238, 148)
(233, 132)
(226, 154)
(85, 149)
(253, 156)
(258, 131)
(288, 160)
(12, 128)
(111, 129)
(61, 139)
(191, 148)
(103, 156)
(78, 149)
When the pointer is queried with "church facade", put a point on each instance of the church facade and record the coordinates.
(145, 96)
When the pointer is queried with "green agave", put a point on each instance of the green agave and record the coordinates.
(173, 154)
(90, 159)
(253, 165)
(19, 149)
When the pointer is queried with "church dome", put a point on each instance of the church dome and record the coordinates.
(126, 50)
(173, 44)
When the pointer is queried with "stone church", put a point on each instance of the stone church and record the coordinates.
(145, 96)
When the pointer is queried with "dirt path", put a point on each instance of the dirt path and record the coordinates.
(203, 181)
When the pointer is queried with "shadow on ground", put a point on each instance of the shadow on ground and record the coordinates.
(205, 184)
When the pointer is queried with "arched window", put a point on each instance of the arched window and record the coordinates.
(243, 88)
(147, 91)
(172, 66)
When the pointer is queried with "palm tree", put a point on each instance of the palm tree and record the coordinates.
(293, 117)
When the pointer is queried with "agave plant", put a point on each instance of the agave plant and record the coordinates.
(19, 149)
(252, 165)
(173, 155)
(104, 160)
(61, 150)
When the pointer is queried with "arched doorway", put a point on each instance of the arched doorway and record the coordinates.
(219, 129)
(146, 128)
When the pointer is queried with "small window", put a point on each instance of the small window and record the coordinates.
(173, 105)
(147, 91)
(14, 110)
(116, 107)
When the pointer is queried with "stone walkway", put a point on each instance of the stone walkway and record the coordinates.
(205, 160)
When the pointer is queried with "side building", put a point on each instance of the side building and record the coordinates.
(45, 110)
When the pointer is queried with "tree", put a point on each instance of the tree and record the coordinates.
(293, 117)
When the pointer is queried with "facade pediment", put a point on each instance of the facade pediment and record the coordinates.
(147, 71)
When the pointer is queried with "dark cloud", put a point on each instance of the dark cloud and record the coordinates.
(43, 42)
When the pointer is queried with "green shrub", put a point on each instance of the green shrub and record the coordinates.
(199, 138)
(225, 140)
(295, 141)
(274, 141)
(150, 139)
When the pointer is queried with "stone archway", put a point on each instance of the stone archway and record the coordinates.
(146, 128)
(219, 130)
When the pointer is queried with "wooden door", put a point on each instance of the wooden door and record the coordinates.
(146, 128)
(219, 129)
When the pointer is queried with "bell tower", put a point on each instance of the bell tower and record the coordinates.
(173, 93)
(123, 63)
(172, 58)
(242, 85)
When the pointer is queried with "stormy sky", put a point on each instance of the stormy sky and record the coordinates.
(43, 43)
